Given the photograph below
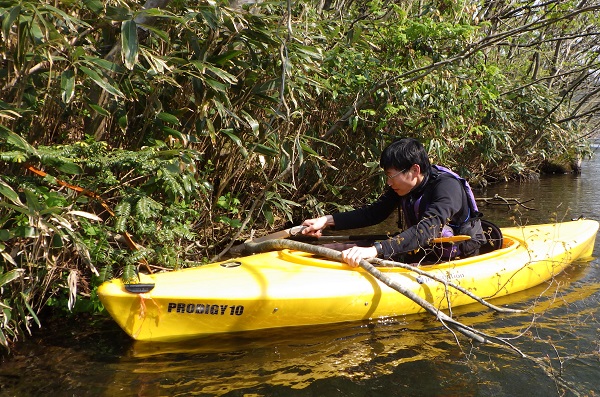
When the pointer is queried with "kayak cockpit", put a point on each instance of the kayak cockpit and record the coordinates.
(509, 244)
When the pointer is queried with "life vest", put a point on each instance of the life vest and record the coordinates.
(419, 206)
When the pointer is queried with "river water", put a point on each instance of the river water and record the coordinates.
(408, 356)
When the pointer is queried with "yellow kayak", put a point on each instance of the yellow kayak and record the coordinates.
(290, 288)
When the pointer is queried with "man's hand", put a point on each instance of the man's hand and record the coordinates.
(352, 256)
(315, 226)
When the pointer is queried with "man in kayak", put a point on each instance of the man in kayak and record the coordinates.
(434, 202)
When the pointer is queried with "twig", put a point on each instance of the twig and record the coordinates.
(415, 269)
(499, 200)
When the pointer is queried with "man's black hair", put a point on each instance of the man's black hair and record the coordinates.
(403, 153)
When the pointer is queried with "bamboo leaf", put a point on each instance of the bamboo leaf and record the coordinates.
(252, 121)
(7, 277)
(8, 258)
(7, 191)
(25, 231)
(96, 78)
(100, 110)
(223, 75)
(30, 309)
(94, 5)
(84, 214)
(117, 13)
(168, 118)
(3, 340)
(216, 84)
(14, 139)
(129, 43)
(229, 132)
(67, 85)
(223, 58)
(266, 150)
(10, 20)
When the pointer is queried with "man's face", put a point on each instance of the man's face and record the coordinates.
(403, 181)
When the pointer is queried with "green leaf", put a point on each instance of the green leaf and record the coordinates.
(7, 277)
(268, 213)
(7, 191)
(229, 132)
(223, 58)
(14, 139)
(223, 75)
(122, 211)
(312, 52)
(129, 43)
(3, 340)
(67, 85)
(8, 21)
(5, 235)
(252, 121)
(96, 78)
(267, 151)
(100, 110)
(216, 84)
(117, 13)
(70, 168)
(30, 309)
(25, 231)
(168, 118)
(94, 5)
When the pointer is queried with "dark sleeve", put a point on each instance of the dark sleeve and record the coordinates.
(446, 204)
(369, 215)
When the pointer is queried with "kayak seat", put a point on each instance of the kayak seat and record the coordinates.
(493, 234)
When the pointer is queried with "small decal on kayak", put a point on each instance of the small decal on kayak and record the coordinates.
(199, 308)
(455, 276)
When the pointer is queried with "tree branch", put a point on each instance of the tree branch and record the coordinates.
(446, 320)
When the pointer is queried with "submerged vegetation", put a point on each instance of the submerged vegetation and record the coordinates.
(157, 134)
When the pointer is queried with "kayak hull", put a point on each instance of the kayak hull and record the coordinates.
(289, 288)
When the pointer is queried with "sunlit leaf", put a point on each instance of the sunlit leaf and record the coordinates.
(216, 84)
(84, 214)
(129, 43)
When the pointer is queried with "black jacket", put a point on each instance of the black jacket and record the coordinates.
(444, 202)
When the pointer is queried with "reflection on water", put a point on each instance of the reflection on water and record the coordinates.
(408, 356)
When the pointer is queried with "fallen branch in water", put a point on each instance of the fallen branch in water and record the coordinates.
(499, 200)
(329, 253)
